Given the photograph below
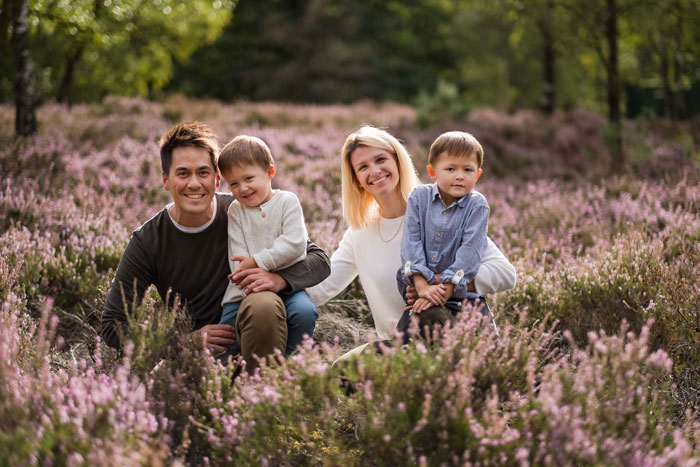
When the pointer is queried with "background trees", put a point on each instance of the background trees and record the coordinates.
(86, 49)
(615, 56)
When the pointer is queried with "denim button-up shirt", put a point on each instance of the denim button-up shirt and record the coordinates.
(447, 240)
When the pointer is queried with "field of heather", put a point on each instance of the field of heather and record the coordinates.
(598, 359)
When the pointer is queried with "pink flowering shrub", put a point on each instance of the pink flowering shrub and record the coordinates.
(473, 397)
(599, 254)
(75, 416)
(565, 382)
(514, 399)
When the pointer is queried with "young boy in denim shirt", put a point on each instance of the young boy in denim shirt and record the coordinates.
(265, 230)
(445, 233)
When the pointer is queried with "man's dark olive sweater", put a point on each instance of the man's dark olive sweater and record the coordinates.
(192, 265)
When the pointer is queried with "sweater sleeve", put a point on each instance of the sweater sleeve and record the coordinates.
(308, 272)
(290, 246)
(134, 275)
(496, 273)
(343, 271)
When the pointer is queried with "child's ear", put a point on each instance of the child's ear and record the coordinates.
(478, 174)
(431, 172)
(271, 171)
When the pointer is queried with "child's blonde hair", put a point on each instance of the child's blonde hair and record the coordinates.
(359, 207)
(245, 150)
(456, 143)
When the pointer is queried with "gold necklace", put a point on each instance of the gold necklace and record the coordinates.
(379, 230)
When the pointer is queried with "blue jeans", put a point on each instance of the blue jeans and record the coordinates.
(301, 319)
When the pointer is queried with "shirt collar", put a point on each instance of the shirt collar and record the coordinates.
(435, 196)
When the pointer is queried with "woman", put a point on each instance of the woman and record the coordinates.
(377, 177)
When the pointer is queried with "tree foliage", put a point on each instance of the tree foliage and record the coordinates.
(509, 54)
(85, 49)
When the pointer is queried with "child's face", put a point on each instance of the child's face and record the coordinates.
(455, 175)
(250, 184)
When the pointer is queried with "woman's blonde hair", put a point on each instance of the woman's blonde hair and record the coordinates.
(359, 207)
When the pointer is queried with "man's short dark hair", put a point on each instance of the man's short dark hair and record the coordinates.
(192, 134)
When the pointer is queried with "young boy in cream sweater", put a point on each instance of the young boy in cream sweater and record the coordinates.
(265, 230)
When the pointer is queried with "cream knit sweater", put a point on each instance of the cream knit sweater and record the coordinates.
(273, 234)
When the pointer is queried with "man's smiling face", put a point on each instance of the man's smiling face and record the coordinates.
(192, 182)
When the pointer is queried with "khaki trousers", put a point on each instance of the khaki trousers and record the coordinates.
(261, 327)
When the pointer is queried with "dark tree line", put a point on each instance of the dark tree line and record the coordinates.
(617, 56)
(549, 54)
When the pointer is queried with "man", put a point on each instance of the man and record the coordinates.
(183, 251)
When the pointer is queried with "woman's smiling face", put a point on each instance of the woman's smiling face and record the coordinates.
(376, 170)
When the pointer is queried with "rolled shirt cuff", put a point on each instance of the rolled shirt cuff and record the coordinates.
(459, 281)
(410, 269)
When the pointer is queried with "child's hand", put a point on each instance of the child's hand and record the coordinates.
(449, 290)
(245, 263)
(435, 294)
(421, 305)
(412, 294)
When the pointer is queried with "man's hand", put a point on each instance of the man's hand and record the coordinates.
(244, 262)
(258, 280)
(217, 337)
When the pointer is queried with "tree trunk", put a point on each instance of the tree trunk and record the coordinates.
(64, 89)
(63, 94)
(678, 102)
(613, 83)
(25, 118)
(665, 79)
(5, 18)
(548, 64)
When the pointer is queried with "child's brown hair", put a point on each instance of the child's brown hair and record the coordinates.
(245, 150)
(456, 143)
